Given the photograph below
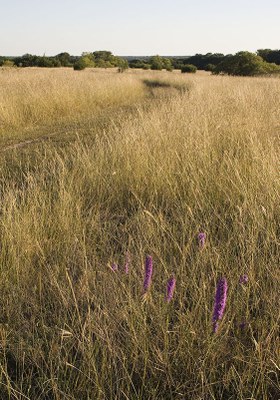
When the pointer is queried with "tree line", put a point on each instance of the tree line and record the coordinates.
(244, 63)
(98, 59)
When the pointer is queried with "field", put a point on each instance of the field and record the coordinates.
(100, 168)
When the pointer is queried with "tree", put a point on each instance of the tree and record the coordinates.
(177, 62)
(245, 63)
(202, 60)
(103, 55)
(27, 60)
(64, 59)
(121, 64)
(84, 62)
(103, 64)
(46, 62)
(167, 64)
(156, 63)
(271, 56)
(105, 59)
(136, 63)
(79, 65)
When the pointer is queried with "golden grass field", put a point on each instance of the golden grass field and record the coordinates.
(96, 165)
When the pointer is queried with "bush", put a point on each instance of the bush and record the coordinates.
(189, 68)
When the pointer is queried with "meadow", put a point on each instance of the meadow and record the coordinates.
(100, 169)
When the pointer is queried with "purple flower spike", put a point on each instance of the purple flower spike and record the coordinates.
(220, 302)
(148, 273)
(201, 239)
(127, 262)
(115, 267)
(171, 283)
(126, 268)
(215, 327)
(243, 279)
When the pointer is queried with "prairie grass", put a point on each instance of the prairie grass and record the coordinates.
(142, 168)
(43, 98)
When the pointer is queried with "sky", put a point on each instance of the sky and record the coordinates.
(143, 27)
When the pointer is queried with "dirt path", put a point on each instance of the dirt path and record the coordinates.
(103, 119)
(27, 142)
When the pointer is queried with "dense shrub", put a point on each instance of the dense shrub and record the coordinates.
(189, 68)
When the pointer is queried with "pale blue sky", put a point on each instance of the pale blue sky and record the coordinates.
(144, 27)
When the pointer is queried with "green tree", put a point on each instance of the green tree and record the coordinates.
(103, 55)
(156, 63)
(103, 59)
(245, 63)
(64, 59)
(121, 63)
(136, 63)
(85, 61)
(103, 64)
(167, 64)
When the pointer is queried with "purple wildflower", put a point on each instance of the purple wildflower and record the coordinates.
(115, 267)
(148, 273)
(171, 283)
(215, 327)
(220, 302)
(201, 239)
(127, 262)
(243, 279)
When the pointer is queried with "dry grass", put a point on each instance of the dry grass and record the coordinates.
(174, 157)
(43, 98)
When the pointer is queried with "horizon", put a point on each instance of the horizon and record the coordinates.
(132, 55)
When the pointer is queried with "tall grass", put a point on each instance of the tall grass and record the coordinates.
(146, 181)
(49, 98)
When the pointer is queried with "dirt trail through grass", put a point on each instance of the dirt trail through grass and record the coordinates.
(156, 91)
